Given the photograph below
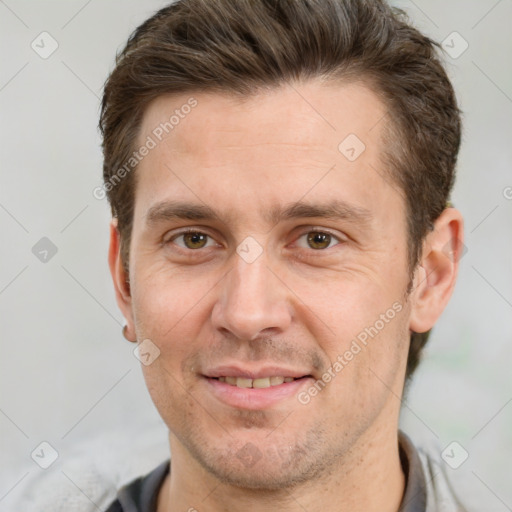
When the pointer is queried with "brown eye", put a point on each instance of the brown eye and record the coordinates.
(318, 240)
(194, 240)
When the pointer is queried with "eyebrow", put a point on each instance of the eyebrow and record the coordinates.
(334, 209)
(169, 210)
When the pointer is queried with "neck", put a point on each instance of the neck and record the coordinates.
(369, 477)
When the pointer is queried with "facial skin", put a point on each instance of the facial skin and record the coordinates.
(292, 311)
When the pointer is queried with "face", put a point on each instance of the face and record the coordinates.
(268, 264)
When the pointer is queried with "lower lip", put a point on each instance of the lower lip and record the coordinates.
(255, 398)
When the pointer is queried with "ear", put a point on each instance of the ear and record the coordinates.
(120, 279)
(435, 276)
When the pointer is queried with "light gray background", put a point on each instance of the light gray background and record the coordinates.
(68, 377)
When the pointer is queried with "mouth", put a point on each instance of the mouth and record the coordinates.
(258, 389)
(260, 383)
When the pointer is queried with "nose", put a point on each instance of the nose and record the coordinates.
(252, 301)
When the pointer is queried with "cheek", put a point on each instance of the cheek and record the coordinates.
(361, 324)
(169, 309)
(379, 365)
(168, 300)
(371, 375)
(173, 399)
(350, 304)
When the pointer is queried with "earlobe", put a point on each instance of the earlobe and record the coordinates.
(120, 281)
(436, 273)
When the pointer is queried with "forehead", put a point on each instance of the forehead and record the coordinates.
(230, 152)
(305, 114)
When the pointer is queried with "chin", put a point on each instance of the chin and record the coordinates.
(260, 466)
(261, 477)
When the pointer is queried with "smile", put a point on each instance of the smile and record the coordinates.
(261, 383)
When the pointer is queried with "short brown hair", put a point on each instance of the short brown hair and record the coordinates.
(244, 46)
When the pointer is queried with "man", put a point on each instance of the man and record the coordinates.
(282, 243)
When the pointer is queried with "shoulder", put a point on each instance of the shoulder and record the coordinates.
(448, 489)
(91, 469)
(141, 494)
(115, 507)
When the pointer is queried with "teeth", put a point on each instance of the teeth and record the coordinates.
(261, 383)
(243, 383)
(264, 382)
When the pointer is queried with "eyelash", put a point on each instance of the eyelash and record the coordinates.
(303, 233)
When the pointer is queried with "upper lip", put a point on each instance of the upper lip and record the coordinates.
(254, 373)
